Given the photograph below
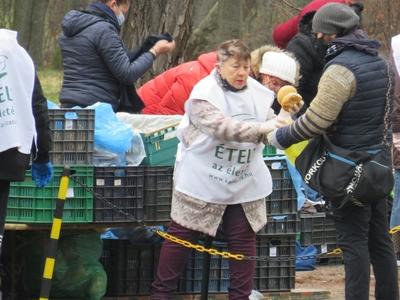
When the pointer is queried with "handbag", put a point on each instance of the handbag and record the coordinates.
(346, 176)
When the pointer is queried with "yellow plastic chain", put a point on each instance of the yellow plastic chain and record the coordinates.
(200, 248)
(336, 251)
(339, 251)
(394, 230)
(226, 254)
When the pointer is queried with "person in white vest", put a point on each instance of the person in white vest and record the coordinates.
(220, 173)
(24, 122)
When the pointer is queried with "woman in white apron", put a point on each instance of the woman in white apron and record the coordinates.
(220, 173)
(24, 122)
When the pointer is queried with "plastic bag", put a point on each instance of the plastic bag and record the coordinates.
(104, 158)
(110, 133)
(149, 123)
(78, 274)
(306, 257)
(293, 151)
(137, 152)
(52, 105)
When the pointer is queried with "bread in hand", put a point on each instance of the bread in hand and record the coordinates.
(288, 97)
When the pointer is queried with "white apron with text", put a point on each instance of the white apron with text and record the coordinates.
(17, 75)
(222, 172)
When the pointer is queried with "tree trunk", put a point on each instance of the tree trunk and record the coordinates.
(6, 13)
(29, 22)
(55, 13)
(22, 21)
(37, 28)
(157, 16)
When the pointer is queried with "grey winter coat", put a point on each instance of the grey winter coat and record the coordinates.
(95, 60)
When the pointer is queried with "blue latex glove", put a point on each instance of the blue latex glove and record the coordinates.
(42, 173)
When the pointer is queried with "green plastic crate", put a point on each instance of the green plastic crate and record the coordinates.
(272, 151)
(29, 204)
(161, 147)
(269, 150)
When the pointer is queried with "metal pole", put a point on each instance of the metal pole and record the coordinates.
(206, 269)
(51, 252)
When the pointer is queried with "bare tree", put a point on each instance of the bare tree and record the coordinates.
(157, 16)
(29, 22)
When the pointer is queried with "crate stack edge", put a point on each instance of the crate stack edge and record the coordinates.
(72, 133)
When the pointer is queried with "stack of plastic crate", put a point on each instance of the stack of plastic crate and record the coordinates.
(72, 132)
(275, 244)
(319, 230)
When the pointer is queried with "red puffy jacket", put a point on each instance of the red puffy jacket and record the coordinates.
(284, 32)
(167, 93)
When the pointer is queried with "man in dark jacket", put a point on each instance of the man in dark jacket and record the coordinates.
(23, 117)
(395, 215)
(351, 106)
(95, 61)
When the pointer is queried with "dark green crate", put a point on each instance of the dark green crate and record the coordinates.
(272, 151)
(160, 147)
(269, 150)
(29, 204)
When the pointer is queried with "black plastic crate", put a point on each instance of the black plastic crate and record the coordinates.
(283, 198)
(281, 224)
(279, 249)
(123, 190)
(330, 260)
(276, 246)
(72, 132)
(130, 268)
(158, 194)
(277, 274)
(317, 229)
(190, 282)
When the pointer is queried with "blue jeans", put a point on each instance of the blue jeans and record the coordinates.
(395, 216)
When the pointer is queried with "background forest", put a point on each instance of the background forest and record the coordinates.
(197, 25)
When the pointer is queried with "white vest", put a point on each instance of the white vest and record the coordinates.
(17, 76)
(222, 172)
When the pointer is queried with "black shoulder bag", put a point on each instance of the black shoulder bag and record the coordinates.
(345, 176)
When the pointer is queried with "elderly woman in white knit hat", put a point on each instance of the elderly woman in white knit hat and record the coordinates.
(220, 174)
(278, 69)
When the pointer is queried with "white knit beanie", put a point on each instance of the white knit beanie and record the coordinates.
(280, 65)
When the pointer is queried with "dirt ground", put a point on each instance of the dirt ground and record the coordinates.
(329, 278)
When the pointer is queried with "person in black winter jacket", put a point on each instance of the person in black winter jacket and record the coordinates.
(24, 121)
(310, 52)
(97, 67)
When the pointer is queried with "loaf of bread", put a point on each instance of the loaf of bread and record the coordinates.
(288, 97)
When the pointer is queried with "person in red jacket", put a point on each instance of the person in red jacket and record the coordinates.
(284, 32)
(166, 94)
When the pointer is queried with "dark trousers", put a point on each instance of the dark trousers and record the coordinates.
(363, 236)
(4, 191)
(241, 240)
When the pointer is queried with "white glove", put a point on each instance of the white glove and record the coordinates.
(284, 118)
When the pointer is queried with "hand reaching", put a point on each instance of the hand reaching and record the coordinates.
(163, 46)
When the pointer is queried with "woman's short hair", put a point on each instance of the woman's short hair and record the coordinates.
(233, 48)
